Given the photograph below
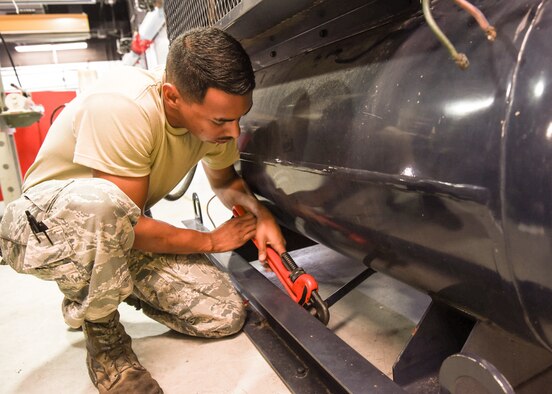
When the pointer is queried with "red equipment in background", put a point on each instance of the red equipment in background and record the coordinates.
(29, 139)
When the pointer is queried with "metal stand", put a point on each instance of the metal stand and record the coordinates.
(450, 353)
(441, 333)
(10, 173)
(349, 286)
(494, 361)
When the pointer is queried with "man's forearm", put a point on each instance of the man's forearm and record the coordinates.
(159, 237)
(152, 235)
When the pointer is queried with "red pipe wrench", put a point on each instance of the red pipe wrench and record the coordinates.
(301, 287)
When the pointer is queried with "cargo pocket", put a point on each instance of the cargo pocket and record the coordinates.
(47, 260)
(24, 251)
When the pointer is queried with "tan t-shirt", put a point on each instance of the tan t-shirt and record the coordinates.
(119, 127)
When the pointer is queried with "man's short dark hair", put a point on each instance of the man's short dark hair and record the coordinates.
(208, 58)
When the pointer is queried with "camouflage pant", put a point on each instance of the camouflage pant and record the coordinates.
(90, 223)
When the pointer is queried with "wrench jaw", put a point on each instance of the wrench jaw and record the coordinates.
(322, 312)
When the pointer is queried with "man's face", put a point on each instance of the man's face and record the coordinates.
(217, 118)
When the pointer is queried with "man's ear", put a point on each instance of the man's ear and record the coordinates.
(170, 94)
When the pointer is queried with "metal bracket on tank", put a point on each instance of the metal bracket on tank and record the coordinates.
(349, 286)
(498, 362)
(440, 333)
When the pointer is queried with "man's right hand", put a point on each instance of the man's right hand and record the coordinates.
(233, 233)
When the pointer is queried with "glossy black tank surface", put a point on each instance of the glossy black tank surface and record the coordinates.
(377, 144)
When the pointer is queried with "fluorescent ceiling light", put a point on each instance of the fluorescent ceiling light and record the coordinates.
(51, 47)
(33, 3)
(44, 23)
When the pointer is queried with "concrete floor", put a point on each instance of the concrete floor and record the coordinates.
(41, 355)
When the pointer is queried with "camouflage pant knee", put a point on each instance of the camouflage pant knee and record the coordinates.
(90, 223)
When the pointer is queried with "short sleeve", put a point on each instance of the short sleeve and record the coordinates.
(222, 156)
(113, 134)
